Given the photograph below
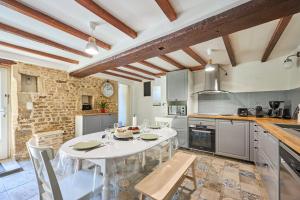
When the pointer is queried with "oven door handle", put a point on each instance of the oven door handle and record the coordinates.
(200, 131)
(290, 170)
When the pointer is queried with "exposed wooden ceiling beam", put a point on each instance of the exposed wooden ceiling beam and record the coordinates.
(152, 66)
(167, 8)
(5, 62)
(39, 39)
(141, 70)
(282, 24)
(235, 19)
(229, 49)
(109, 18)
(30, 12)
(196, 68)
(121, 76)
(132, 74)
(39, 53)
(171, 61)
(194, 55)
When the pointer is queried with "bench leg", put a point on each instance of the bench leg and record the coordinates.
(142, 196)
(194, 175)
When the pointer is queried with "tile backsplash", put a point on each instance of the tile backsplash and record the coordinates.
(229, 103)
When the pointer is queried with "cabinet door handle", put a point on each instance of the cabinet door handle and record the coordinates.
(255, 147)
(265, 131)
(255, 140)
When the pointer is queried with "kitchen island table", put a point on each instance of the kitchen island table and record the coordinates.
(113, 149)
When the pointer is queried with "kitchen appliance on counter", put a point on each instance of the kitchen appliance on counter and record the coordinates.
(177, 110)
(259, 111)
(202, 136)
(86, 107)
(289, 175)
(243, 112)
(279, 109)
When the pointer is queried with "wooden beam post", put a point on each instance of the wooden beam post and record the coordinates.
(194, 55)
(109, 18)
(282, 24)
(167, 8)
(171, 61)
(229, 49)
(39, 53)
(30, 12)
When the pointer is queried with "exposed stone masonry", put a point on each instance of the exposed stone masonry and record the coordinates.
(54, 105)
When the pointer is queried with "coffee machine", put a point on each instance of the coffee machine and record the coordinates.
(279, 109)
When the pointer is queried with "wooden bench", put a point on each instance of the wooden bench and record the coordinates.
(164, 181)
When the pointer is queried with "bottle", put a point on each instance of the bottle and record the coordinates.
(134, 121)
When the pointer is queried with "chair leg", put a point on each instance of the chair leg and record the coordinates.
(194, 175)
(143, 159)
(142, 196)
(160, 155)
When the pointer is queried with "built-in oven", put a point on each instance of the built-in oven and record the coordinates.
(202, 137)
(289, 174)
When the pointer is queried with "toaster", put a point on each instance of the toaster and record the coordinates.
(243, 112)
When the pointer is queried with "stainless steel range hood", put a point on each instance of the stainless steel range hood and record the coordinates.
(212, 80)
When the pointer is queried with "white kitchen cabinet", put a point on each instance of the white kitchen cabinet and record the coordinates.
(85, 124)
(177, 85)
(232, 139)
(266, 158)
(180, 125)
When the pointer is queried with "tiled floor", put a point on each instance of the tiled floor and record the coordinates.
(217, 178)
(21, 185)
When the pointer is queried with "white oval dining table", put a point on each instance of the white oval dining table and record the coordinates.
(115, 149)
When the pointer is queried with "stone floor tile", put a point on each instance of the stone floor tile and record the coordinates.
(17, 179)
(209, 194)
(23, 192)
(252, 189)
(231, 193)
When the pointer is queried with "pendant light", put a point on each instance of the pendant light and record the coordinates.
(209, 67)
(91, 47)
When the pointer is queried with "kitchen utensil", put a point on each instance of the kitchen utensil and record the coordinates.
(243, 112)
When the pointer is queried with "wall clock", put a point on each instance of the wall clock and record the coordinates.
(107, 89)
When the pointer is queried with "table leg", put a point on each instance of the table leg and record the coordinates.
(170, 148)
(105, 188)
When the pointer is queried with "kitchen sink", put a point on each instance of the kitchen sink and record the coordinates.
(291, 128)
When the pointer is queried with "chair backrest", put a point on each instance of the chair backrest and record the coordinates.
(54, 186)
(163, 121)
(36, 159)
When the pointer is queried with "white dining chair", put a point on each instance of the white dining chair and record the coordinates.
(162, 122)
(80, 185)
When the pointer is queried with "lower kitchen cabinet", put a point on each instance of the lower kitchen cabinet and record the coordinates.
(232, 139)
(86, 124)
(180, 124)
(266, 158)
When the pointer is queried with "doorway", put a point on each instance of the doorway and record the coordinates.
(4, 97)
(123, 104)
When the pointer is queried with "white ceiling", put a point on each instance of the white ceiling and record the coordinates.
(145, 17)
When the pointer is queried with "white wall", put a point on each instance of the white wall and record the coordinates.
(255, 76)
(143, 106)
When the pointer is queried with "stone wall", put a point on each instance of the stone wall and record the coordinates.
(54, 105)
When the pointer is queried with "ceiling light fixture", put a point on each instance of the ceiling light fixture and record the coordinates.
(91, 47)
(288, 62)
(209, 67)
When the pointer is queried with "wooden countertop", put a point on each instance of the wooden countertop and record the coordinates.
(268, 124)
(91, 113)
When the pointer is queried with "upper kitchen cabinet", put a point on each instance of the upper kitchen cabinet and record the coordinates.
(177, 85)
